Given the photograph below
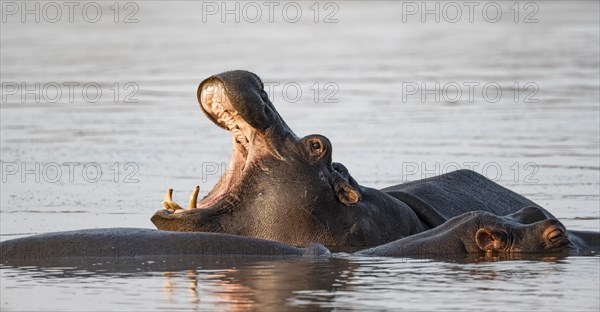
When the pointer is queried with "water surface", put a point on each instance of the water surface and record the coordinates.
(546, 148)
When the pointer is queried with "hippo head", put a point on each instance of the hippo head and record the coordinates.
(277, 186)
(514, 234)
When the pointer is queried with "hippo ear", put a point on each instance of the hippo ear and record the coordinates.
(490, 240)
(345, 193)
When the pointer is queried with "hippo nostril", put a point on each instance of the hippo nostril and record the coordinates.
(555, 235)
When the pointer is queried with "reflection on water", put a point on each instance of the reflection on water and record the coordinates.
(342, 282)
(368, 55)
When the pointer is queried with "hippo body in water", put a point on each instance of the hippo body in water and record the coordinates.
(123, 245)
(527, 231)
(285, 188)
(480, 234)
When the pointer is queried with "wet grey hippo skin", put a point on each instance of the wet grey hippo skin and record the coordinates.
(529, 230)
(473, 233)
(118, 245)
(285, 188)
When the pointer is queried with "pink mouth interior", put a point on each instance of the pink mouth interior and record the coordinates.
(216, 104)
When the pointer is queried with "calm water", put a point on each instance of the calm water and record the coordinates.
(540, 138)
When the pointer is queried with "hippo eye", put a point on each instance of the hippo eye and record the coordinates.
(315, 147)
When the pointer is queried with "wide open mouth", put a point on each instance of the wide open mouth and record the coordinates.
(246, 142)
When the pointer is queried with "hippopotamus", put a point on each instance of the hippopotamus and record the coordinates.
(529, 230)
(483, 234)
(286, 188)
(123, 245)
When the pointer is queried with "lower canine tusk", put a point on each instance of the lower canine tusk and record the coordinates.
(169, 195)
(194, 197)
(168, 202)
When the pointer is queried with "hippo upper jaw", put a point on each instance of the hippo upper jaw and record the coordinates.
(236, 101)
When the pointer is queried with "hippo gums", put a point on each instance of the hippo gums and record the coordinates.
(281, 187)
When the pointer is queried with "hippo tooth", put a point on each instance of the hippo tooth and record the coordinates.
(217, 107)
(168, 195)
(168, 202)
(194, 197)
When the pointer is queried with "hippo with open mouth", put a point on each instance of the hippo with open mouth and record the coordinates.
(285, 188)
